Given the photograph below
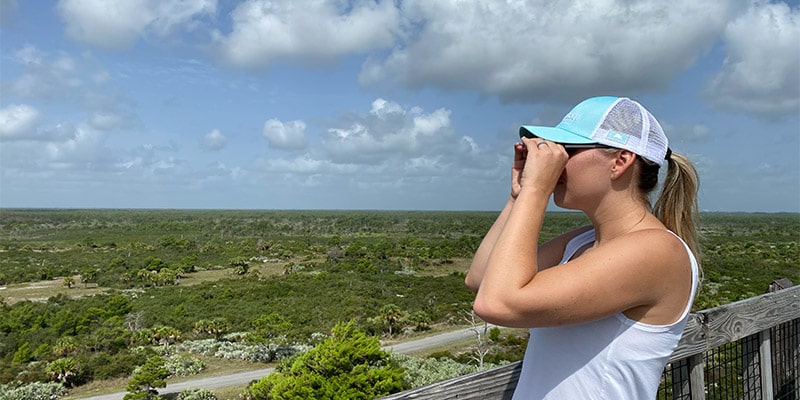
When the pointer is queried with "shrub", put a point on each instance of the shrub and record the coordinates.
(262, 352)
(184, 365)
(146, 379)
(197, 394)
(424, 371)
(33, 391)
(348, 365)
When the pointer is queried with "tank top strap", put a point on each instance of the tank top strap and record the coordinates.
(576, 244)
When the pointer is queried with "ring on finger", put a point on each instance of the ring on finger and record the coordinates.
(541, 143)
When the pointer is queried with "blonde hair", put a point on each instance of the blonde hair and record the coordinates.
(676, 205)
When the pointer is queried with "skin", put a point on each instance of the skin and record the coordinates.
(635, 266)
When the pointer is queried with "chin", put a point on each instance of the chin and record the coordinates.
(560, 199)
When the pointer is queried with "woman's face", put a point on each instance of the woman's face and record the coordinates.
(585, 179)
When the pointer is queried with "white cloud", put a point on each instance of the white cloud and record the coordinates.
(389, 147)
(18, 121)
(107, 121)
(117, 24)
(761, 73)
(309, 31)
(539, 50)
(44, 74)
(285, 135)
(388, 132)
(214, 140)
(85, 147)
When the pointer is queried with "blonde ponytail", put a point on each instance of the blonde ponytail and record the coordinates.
(676, 206)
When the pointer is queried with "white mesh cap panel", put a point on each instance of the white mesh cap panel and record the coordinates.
(657, 142)
(628, 125)
(625, 116)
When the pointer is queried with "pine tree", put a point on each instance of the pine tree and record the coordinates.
(151, 375)
(349, 365)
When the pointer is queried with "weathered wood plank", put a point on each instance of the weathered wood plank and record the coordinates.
(714, 327)
(496, 384)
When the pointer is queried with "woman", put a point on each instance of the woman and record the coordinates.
(606, 303)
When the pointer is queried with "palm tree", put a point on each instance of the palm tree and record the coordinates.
(64, 346)
(64, 370)
(391, 314)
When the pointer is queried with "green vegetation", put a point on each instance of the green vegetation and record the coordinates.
(146, 380)
(348, 365)
(93, 294)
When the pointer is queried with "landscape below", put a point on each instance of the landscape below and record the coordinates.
(90, 295)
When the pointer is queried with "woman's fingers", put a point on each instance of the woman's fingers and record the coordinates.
(544, 163)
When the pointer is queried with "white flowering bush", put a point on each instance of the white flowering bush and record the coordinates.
(33, 391)
(197, 394)
(184, 365)
(424, 371)
(261, 352)
(229, 350)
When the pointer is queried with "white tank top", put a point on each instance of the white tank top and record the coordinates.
(612, 358)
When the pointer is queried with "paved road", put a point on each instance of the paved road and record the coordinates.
(243, 378)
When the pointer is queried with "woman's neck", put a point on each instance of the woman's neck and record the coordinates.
(616, 221)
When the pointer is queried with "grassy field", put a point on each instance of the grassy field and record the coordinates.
(43, 290)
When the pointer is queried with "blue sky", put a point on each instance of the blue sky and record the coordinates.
(377, 104)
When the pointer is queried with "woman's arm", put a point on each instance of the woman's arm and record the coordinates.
(478, 266)
(549, 254)
(645, 274)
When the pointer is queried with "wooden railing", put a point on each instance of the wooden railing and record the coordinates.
(750, 324)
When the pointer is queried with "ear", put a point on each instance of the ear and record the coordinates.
(623, 162)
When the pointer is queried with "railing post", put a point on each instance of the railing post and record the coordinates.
(751, 368)
(765, 354)
(696, 379)
(786, 351)
(681, 385)
(757, 358)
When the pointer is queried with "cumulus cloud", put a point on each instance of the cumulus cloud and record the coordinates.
(214, 140)
(290, 135)
(85, 145)
(540, 50)
(18, 121)
(760, 73)
(310, 32)
(107, 120)
(388, 131)
(403, 146)
(44, 75)
(117, 24)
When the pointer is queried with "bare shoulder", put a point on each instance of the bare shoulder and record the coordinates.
(655, 253)
(652, 244)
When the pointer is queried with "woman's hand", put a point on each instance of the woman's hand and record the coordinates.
(541, 165)
(520, 153)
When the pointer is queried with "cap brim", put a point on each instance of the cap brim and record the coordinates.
(557, 135)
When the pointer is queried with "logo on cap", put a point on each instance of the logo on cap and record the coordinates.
(617, 137)
(573, 116)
